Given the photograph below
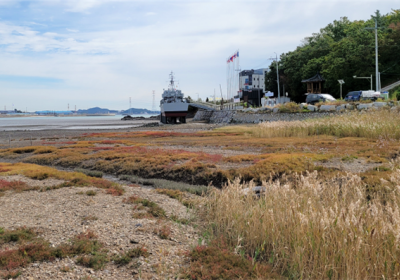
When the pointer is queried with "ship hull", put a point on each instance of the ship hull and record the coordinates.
(173, 112)
(174, 109)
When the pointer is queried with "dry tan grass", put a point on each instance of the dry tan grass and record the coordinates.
(312, 229)
(372, 124)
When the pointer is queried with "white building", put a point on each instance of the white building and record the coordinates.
(252, 79)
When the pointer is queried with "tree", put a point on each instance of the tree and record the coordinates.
(207, 100)
(341, 50)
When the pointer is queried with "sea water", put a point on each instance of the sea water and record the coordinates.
(73, 122)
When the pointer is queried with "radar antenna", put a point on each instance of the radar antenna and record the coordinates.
(172, 80)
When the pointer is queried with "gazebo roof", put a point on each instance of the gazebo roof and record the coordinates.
(317, 78)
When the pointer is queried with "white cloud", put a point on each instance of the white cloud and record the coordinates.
(72, 30)
(105, 61)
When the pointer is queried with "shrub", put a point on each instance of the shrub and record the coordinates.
(115, 191)
(131, 254)
(19, 234)
(163, 232)
(13, 274)
(91, 193)
(25, 254)
(17, 186)
(84, 243)
(290, 107)
(217, 261)
(96, 261)
(151, 207)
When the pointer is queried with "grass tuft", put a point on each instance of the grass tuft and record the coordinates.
(163, 232)
(20, 234)
(127, 257)
(91, 193)
(152, 208)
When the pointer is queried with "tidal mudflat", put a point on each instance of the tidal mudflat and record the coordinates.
(177, 201)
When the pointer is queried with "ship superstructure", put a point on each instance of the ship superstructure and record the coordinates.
(173, 105)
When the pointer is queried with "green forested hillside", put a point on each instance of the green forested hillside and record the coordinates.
(341, 50)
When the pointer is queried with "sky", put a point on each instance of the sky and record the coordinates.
(100, 53)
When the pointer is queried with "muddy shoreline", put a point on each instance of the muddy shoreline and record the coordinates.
(21, 138)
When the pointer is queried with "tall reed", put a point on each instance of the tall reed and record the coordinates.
(312, 229)
(370, 124)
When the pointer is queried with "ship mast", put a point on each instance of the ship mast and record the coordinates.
(172, 86)
(172, 80)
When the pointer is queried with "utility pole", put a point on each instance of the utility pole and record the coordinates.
(277, 76)
(154, 100)
(130, 107)
(371, 82)
(341, 82)
(376, 53)
(68, 106)
(75, 108)
(380, 86)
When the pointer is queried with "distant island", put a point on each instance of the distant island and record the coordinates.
(133, 111)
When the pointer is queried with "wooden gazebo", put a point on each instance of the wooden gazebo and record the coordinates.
(314, 84)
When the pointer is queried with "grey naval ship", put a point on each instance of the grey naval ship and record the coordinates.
(173, 106)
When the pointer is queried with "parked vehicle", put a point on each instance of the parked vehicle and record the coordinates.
(313, 98)
(353, 96)
(370, 94)
(362, 95)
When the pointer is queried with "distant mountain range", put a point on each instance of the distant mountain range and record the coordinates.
(133, 111)
(97, 110)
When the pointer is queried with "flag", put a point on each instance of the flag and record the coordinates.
(231, 58)
(237, 54)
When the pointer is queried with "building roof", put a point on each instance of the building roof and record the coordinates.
(259, 71)
(317, 78)
(253, 72)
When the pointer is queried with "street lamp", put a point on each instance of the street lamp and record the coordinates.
(355, 77)
(277, 76)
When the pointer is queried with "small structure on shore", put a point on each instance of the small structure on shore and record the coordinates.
(315, 83)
